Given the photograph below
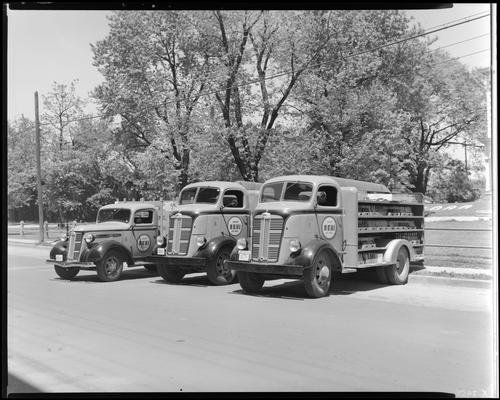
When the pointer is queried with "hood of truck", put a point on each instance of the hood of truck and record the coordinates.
(103, 226)
(284, 206)
(194, 208)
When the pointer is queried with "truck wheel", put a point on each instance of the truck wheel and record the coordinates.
(398, 274)
(66, 273)
(151, 268)
(170, 275)
(110, 267)
(250, 282)
(217, 272)
(317, 278)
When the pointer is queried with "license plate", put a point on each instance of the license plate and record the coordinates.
(244, 255)
(161, 251)
(59, 257)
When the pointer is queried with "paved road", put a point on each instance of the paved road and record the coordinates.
(142, 334)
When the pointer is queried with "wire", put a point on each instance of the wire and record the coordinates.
(463, 41)
(435, 29)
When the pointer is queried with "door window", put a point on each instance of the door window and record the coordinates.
(143, 217)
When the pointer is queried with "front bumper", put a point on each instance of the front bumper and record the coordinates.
(173, 261)
(71, 264)
(263, 268)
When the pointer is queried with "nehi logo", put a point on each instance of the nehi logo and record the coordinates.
(143, 242)
(329, 227)
(234, 226)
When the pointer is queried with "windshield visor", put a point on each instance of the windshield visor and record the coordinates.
(293, 191)
(206, 195)
(114, 214)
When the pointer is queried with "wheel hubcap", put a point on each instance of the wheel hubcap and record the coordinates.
(111, 265)
(221, 269)
(322, 273)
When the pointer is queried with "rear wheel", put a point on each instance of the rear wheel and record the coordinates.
(110, 267)
(169, 274)
(66, 273)
(398, 274)
(317, 279)
(250, 282)
(217, 272)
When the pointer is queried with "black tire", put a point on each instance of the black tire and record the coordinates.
(381, 274)
(398, 274)
(250, 282)
(151, 268)
(217, 272)
(169, 274)
(110, 268)
(318, 278)
(66, 273)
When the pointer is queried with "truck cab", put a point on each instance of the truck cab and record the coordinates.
(123, 236)
(309, 227)
(202, 228)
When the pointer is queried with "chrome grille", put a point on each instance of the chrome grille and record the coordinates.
(179, 234)
(266, 237)
(75, 244)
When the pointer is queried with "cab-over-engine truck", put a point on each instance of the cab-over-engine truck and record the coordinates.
(124, 235)
(309, 227)
(202, 228)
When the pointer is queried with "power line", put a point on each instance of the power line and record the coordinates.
(438, 28)
(462, 41)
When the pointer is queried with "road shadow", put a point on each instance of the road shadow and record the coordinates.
(198, 280)
(91, 276)
(201, 280)
(343, 284)
(16, 385)
(293, 290)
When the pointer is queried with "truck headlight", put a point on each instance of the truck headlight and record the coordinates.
(160, 240)
(89, 238)
(242, 243)
(201, 241)
(294, 245)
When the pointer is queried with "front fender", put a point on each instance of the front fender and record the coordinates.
(98, 250)
(60, 247)
(309, 251)
(214, 245)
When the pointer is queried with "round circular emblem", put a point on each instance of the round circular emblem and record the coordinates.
(329, 227)
(234, 226)
(143, 242)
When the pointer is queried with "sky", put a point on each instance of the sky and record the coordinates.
(54, 46)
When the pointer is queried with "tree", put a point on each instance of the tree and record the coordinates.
(156, 67)
(261, 41)
(453, 184)
(21, 168)
(445, 101)
(62, 105)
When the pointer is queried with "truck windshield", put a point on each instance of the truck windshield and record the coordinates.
(114, 214)
(199, 195)
(294, 191)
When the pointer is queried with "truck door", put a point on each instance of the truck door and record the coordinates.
(234, 213)
(330, 215)
(144, 232)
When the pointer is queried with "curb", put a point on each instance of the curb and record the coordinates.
(30, 242)
(439, 280)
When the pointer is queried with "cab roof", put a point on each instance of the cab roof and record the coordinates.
(223, 185)
(342, 182)
(132, 205)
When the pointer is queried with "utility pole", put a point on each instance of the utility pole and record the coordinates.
(38, 169)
